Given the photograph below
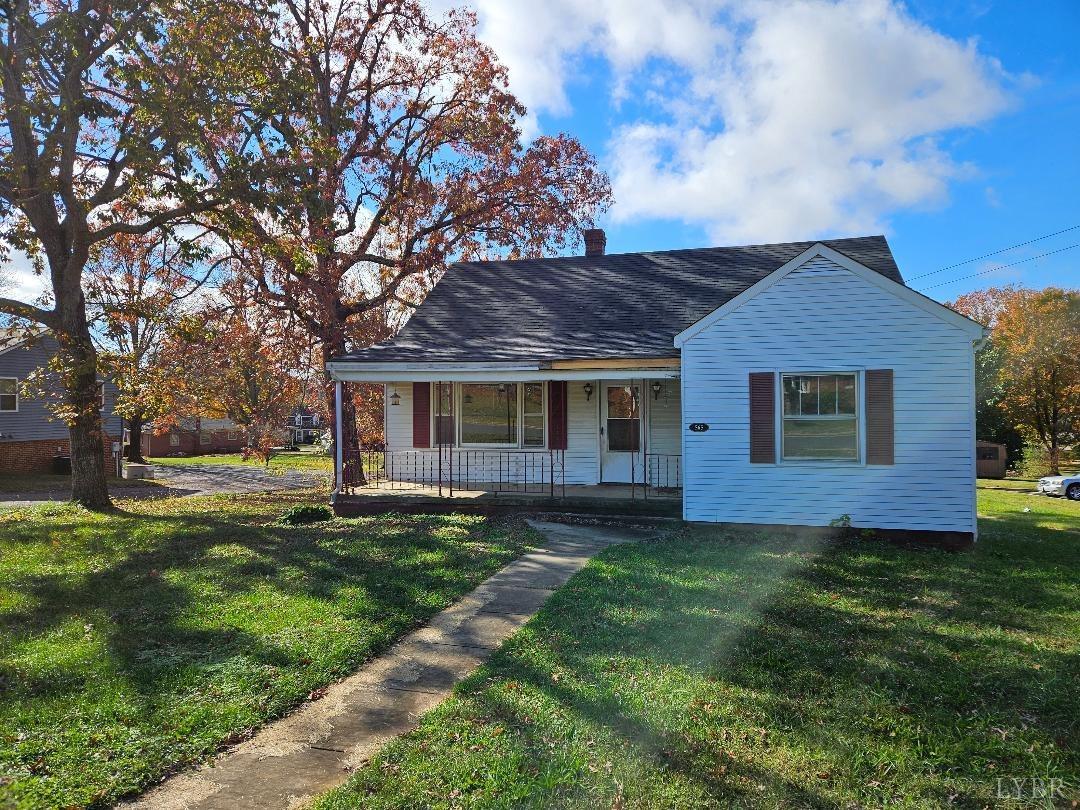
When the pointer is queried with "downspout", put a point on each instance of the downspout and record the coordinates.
(338, 454)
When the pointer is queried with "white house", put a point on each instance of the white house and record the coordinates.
(791, 384)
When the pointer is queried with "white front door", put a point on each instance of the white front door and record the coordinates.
(621, 426)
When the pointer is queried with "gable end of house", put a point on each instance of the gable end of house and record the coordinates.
(822, 259)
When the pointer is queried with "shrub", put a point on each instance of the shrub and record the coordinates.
(1034, 461)
(307, 513)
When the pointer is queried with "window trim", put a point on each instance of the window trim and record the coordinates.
(456, 399)
(859, 417)
(16, 408)
(174, 439)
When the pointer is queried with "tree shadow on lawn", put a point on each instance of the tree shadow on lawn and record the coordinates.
(180, 608)
(871, 674)
(404, 569)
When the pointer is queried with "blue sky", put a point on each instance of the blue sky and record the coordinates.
(951, 127)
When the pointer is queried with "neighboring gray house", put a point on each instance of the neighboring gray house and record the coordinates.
(797, 384)
(30, 436)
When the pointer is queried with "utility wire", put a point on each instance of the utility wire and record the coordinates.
(1003, 266)
(995, 253)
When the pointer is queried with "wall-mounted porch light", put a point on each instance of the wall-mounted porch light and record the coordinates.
(656, 388)
(588, 391)
(395, 398)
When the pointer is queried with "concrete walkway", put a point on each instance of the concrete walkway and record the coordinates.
(294, 759)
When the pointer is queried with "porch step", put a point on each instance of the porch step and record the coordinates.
(609, 508)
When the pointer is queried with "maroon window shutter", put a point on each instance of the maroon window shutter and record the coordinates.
(557, 408)
(762, 417)
(879, 416)
(421, 414)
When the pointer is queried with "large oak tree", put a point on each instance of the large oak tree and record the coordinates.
(398, 150)
(108, 109)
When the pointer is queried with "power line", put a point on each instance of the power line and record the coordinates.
(996, 252)
(1003, 266)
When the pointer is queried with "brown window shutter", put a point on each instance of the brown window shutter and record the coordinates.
(762, 417)
(421, 414)
(879, 416)
(557, 412)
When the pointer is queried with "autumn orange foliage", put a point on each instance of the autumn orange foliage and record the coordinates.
(1037, 333)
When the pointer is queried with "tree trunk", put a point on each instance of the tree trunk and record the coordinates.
(79, 359)
(135, 431)
(332, 347)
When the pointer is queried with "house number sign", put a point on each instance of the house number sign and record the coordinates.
(698, 427)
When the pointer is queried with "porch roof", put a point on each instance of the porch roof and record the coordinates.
(499, 372)
(628, 306)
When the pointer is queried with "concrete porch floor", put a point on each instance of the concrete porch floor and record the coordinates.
(400, 496)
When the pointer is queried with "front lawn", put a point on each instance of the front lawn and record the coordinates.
(136, 643)
(283, 461)
(719, 669)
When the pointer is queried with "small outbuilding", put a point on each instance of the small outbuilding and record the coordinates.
(991, 460)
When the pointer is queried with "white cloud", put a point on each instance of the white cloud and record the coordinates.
(19, 281)
(764, 120)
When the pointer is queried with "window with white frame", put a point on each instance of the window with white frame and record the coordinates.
(204, 438)
(9, 394)
(174, 440)
(491, 414)
(820, 416)
(532, 414)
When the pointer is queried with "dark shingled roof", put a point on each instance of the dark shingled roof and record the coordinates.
(616, 306)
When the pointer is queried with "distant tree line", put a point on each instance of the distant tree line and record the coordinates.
(1027, 376)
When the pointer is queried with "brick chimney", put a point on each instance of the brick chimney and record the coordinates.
(595, 241)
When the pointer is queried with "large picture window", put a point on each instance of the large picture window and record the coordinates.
(9, 394)
(493, 414)
(820, 419)
(489, 413)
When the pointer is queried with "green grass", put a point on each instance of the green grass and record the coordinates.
(721, 669)
(287, 460)
(136, 643)
(1011, 484)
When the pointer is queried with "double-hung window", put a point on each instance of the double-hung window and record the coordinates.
(820, 419)
(9, 394)
(532, 414)
(493, 414)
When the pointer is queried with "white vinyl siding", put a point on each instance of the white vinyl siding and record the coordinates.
(824, 317)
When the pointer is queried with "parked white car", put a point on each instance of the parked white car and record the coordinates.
(1067, 485)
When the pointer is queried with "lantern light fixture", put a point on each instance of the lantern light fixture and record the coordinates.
(588, 391)
(395, 398)
(656, 388)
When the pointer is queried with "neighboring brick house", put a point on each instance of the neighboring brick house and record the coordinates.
(194, 437)
(30, 436)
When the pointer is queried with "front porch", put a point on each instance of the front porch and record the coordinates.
(586, 440)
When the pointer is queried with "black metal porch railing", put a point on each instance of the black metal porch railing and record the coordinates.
(539, 472)
(662, 473)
